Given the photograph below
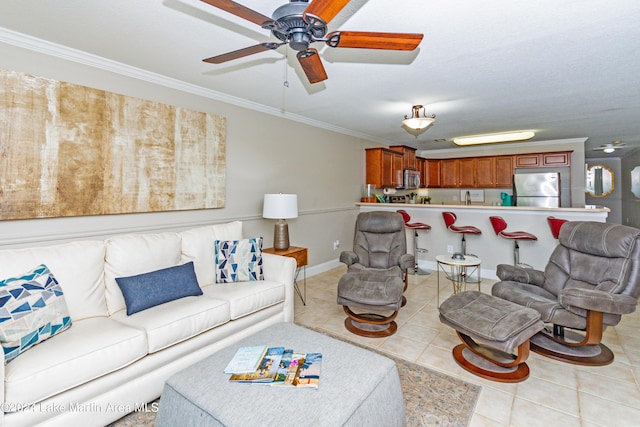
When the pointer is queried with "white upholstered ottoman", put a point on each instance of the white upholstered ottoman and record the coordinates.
(357, 387)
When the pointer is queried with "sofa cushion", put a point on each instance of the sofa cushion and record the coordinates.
(198, 246)
(238, 260)
(32, 309)
(90, 349)
(78, 266)
(133, 254)
(247, 297)
(178, 320)
(157, 287)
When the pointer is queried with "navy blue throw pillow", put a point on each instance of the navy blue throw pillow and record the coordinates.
(157, 287)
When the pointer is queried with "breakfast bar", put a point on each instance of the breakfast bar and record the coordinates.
(488, 246)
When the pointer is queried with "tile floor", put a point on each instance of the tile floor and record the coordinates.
(556, 393)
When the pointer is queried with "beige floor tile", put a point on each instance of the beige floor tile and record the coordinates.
(615, 371)
(526, 413)
(489, 385)
(446, 339)
(631, 342)
(482, 421)
(633, 357)
(551, 395)
(418, 333)
(439, 360)
(607, 413)
(403, 347)
(554, 371)
(495, 405)
(427, 317)
(617, 391)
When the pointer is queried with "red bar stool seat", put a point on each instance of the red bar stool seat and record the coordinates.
(449, 220)
(499, 226)
(416, 227)
(555, 224)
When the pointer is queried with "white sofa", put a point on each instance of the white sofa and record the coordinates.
(108, 364)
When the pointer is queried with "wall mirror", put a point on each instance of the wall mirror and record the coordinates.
(599, 181)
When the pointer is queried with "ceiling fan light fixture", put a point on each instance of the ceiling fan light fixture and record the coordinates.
(609, 150)
(416, 122)
(494, 138)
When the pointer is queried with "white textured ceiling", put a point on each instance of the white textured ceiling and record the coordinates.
(565, 69)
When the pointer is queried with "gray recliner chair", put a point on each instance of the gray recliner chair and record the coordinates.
(591, 280)
(377, 274)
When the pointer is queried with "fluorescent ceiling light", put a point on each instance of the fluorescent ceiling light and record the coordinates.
(493, 138)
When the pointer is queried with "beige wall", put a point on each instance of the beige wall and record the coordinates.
(630, 202)
(265, 154)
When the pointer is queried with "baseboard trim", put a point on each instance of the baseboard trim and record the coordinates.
(321, 268)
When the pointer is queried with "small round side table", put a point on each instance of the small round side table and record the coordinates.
(458, 271)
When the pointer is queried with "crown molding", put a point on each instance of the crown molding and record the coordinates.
(35, 44)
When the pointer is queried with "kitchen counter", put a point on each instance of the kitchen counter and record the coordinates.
(489, 247)
(550, 211)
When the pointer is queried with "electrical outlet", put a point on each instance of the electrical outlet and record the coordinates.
(449, 249)
(336, 245)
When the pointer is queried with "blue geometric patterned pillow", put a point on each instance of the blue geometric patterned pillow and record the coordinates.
(32, 309)
(238, 260)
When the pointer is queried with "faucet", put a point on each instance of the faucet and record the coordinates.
(467, 198)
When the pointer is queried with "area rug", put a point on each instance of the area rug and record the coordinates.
(431, 398)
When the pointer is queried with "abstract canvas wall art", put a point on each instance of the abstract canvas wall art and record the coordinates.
(70, 150)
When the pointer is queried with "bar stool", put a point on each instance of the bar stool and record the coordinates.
(449, 219)
(499, 225)
(555, 224)
(416, 227)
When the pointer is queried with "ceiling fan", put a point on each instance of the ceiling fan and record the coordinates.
(300, 23)
(610, 147)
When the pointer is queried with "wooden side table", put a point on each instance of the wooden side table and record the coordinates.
(300, 255)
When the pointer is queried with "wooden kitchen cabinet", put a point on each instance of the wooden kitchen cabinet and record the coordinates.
(556, 159)
(384, 167)
(421, 165)
(449, 172)
(467, 172)
(485, 172)
(408, 156)
(504, 171)
(541, 160)
(432, 179)
(533, 160)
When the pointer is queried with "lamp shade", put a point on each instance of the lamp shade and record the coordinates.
(280, 206)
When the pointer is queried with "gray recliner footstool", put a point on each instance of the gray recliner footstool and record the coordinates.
(491, 329)
(374, 292)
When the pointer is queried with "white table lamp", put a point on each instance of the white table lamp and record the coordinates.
(280, 207)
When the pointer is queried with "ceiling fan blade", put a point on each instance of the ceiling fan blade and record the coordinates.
(312, 65)
(240, 10)
(240, 53)
(325, 9)
(373, 40)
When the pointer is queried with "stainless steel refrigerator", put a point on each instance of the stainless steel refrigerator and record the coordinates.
(537, 189)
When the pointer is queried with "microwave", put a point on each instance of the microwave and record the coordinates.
(411, 179)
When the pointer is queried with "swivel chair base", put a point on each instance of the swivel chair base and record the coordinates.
(370, 325)
(559, 348)
(491, 364)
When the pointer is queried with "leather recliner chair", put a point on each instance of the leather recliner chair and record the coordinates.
(591, 280)
(376, 274)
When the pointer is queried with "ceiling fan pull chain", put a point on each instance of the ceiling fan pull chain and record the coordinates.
(285, 84)
(286, 71)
